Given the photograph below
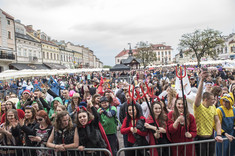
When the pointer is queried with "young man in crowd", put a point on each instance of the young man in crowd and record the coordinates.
(205, 116)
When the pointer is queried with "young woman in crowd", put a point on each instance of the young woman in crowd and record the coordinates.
(96, 100)
(72, 107)
(64, 134)
(157, 136)
(26, 125)
(90, 134)
(11, 105)
(177, 131)
(3, 109)
(41, 132)
(171, 98)
(6, 136)
(129, 127)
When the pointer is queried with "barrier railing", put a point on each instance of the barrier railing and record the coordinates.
(31, 151)
(146, 149)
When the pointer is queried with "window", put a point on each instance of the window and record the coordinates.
(8, 22)
(19, 51)
(54, 56)
(47, 55)
(51, 56)
(25, 52)
(9, 35)
(158, 53)
(117, 60)
(162, 53)
(30, 52)
(29, 42)
(57, 56)
(34, 53)
(169, 52)
(165, 53)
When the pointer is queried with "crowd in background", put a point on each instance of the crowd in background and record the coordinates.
(86, 110)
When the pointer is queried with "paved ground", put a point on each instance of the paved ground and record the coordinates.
(120, 139)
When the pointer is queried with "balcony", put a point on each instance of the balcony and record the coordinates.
(7, 56)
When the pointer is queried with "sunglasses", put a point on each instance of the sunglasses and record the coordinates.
(40, 119)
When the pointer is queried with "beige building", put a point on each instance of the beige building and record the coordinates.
(50, 51)
(7, 40)
(28, 48)
(85, 57)
(66, 54)
(77, 53)
(163, 53)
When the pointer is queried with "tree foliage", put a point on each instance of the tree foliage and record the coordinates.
(107, 66)
(202, 43)
(145, 53)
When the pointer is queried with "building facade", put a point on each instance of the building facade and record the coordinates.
(28, 48)
(163, 53)
(77, 52)
(123, 55)
(7, 40)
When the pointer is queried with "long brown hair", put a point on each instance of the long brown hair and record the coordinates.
(15, 114)
(58, 122)
(33, 114)
(90, 116)
(94, 97)
(73, 105)
(176, 113)
(162, 116)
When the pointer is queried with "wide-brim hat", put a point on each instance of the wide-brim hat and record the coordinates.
(76, 95)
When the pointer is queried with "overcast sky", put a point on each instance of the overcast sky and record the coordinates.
(107, 26)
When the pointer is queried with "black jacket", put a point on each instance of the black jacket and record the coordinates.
(90, 135)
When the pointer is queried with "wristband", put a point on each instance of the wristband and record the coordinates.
(219, 135)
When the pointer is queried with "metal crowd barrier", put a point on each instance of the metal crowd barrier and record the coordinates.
(32, 151)
(146, 149)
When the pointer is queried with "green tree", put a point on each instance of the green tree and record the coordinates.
(145, 53)
(202, 43)
(107, 66)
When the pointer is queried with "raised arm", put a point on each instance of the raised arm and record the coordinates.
(203, 76)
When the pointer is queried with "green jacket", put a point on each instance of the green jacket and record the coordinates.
(109, 124)
(52, 106)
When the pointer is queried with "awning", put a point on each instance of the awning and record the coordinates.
(21, 66)
(55, 66)
(119, 67)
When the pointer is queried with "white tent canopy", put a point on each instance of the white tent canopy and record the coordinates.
(14, 74)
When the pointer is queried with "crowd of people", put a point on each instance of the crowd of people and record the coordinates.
(86, 110)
